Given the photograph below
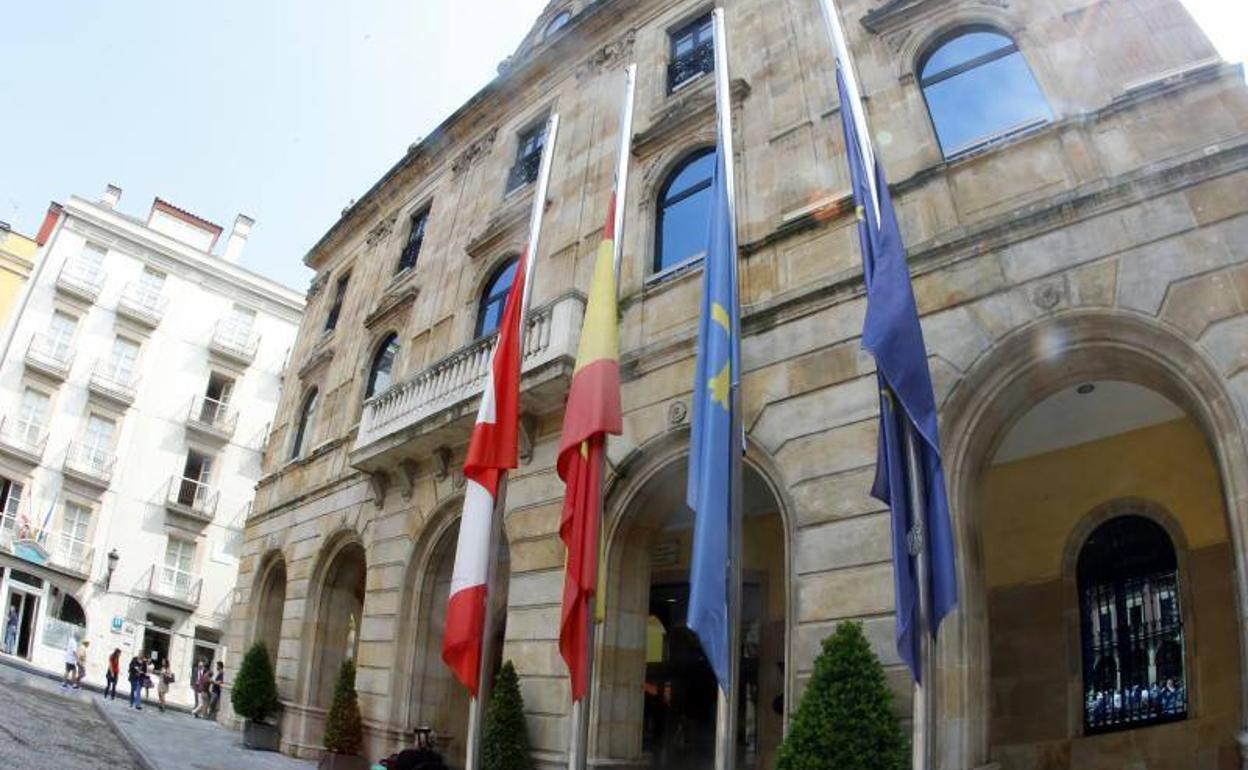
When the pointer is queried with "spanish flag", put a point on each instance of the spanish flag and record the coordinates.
(592, 411)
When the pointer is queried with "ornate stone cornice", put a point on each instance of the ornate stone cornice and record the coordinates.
(381, 230)
(691, 106)
(609, 56)
(898, 13)
(474, 151)
(392, 302)
(512, 216)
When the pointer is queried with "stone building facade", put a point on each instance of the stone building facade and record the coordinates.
(1081, 268)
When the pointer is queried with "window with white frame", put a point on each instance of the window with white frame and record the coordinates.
(151, 286)
(238, 326)
(97, 442)
(60, 334)
(10, 503)
(179, 560)
(75, 523)
(31, 416)
(122, 360)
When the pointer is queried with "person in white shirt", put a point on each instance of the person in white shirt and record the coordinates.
(71, 663)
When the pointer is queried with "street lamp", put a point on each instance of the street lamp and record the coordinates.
(113, 558)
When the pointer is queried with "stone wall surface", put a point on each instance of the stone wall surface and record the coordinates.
(1122, 210)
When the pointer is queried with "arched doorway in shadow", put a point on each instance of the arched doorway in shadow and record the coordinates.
(270, 605)
(339, 607)
(655, 694)
(436, 700)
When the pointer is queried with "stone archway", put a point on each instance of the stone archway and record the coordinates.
(425, 692)
(333, 628)
(653, 694)
(270, 605)
(1022, 370)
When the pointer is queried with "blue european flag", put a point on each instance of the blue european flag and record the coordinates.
(712, 443)
(892, 334)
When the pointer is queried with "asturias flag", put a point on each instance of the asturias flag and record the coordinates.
(892, 334)
(593, 411)
(709, 491)
(491, 451)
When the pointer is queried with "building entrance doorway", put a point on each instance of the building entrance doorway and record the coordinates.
(25, 603)
(655, 691)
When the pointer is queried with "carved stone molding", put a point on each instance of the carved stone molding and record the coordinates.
(409, 470)
(321, 355)
(609, 56)
(441, 463)
(316, 284)
(511, 218)
(392, 303)
(693, 106)
(381, 230)
(898, 13)
(379, 481)
(528, 424)
(474, 151)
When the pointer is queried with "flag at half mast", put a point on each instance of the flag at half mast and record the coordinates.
(894, 337)
(492, 450)
(592, 412)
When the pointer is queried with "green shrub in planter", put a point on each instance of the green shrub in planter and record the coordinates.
(505, 738)
(344, 729)
(254, 694)
(846, 719)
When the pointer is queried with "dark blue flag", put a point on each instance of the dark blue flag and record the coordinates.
(891, 333)
(709, 491)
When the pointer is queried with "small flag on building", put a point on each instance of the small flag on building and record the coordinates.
(492, 450)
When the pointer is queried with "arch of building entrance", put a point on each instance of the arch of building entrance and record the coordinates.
(644, 530)
(270, 603)
(335, 601)
(1019, 371)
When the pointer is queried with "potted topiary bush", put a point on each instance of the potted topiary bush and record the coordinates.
(254, 697)
(344, 728)
(505, 737)
(846, 718)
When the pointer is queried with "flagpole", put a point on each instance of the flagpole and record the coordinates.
(916, 541)
(578, 746)
(476, 706)
(726, 711)
(924, 701)
(836, 32)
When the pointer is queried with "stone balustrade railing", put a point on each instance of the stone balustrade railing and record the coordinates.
(552, 332)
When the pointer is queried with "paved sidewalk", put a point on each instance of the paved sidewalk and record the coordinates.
(158, 741)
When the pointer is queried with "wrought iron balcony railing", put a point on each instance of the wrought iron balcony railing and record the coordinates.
(49, 356)
(113, 382)
(142, 304)
(211, 416)
(233, 342)
(89, 463)
(698, 61)
(191, 498)
(172, 587)
(22, 438)
(81, 279)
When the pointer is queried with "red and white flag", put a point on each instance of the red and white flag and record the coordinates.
(492, 450)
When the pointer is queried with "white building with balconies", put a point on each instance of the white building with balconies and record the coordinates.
(138, 378)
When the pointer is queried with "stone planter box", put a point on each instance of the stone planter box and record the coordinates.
(259, 736)
(332, 761)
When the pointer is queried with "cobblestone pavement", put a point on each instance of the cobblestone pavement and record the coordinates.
(41, 727)
(177, 741)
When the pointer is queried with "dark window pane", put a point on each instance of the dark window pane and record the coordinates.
(490, 313)
(985, 101)
(380, 374)
(962, 49)
(528, 158)
(415, 239)
(693, 52)
(683, 210)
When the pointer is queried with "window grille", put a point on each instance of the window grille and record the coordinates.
(692, 54)
(415, 239)
(528, 158)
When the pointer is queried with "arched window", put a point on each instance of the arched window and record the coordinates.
(307, 416)
(490, 312)
(560, 21)
(684, 206)
(978, 88)
(380, 371)
(1132, 627)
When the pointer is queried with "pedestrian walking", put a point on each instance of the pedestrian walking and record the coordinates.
(71, 663)
(198, 672)
(204, 683)
(111, 674)
(10, 632)
(137, 672)
(82, 663)
(162, 686)
(218, 681)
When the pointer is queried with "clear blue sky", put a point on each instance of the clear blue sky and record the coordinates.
(282, 109)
